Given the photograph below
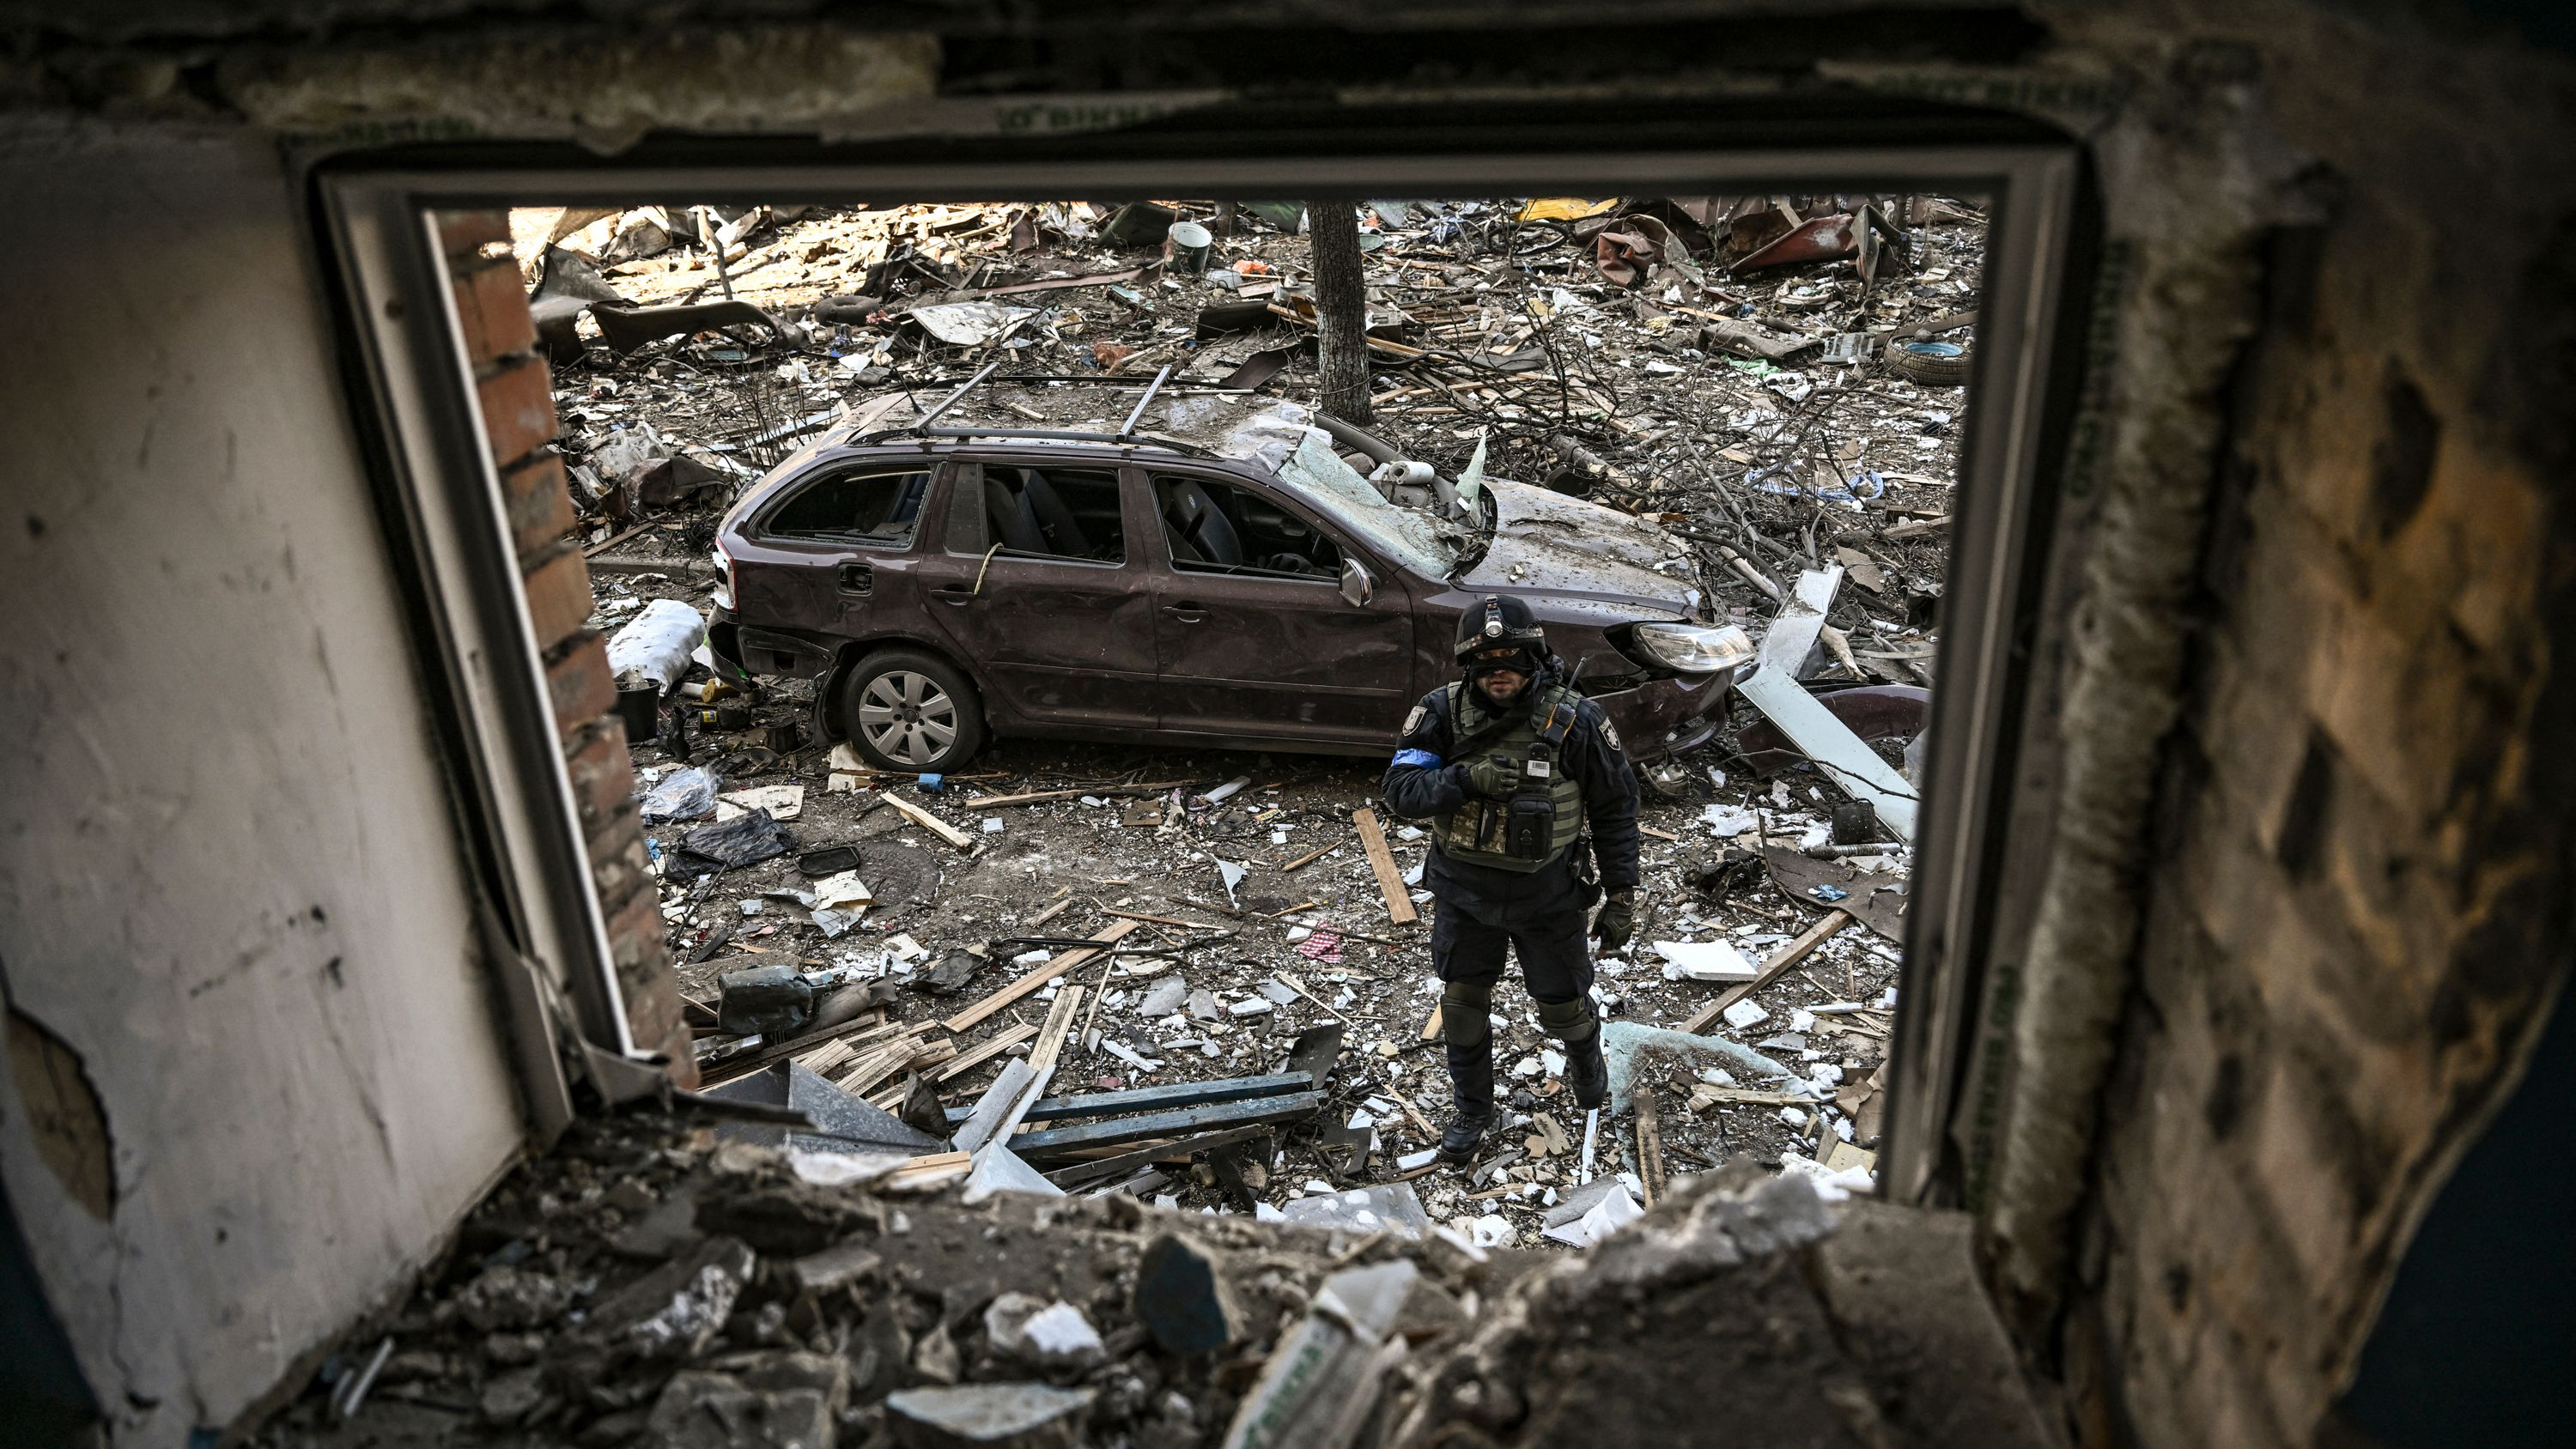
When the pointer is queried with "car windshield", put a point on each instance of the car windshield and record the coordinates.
(1412, 535)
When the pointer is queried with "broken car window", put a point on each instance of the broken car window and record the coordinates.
(1215, 527)
(1055, 512)
(1410, 534)
(877, 508)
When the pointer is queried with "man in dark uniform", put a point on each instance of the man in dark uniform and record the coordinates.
(1510, 765)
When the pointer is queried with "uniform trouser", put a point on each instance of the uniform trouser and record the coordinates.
(1556, 964)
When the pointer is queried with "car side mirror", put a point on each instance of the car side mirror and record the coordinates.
(1357, 587)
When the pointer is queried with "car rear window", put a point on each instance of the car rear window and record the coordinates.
(876, 507)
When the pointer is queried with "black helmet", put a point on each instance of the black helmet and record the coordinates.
(1500, 632)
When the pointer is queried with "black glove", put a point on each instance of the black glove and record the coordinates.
(1617, 921)
(1496, 777)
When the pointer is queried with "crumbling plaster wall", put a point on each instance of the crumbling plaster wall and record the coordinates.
(2312, 958)
(255, 1071)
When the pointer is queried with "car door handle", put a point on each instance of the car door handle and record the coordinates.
(857, 578)
(953, 595)
(1186, 613)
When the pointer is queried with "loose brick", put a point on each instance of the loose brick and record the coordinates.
(603, 775)
(619, 863)
(578, 683)
(518, 411)
(559, 600)
(538, 503)
(466, 233)
(492, 311)
(655, 1019)
(635, 938)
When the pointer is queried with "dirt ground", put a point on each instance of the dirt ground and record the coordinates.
(1697, 439)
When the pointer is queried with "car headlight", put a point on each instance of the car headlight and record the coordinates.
(723, 591)
(1694, 648)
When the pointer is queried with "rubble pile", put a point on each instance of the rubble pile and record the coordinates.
(1177, 922)
(651, 1283)
(648, 1282)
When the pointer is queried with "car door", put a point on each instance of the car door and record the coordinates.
(1253, 652)
(828, 554)
(1059, 625)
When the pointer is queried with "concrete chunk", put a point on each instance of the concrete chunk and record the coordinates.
(987, 1416)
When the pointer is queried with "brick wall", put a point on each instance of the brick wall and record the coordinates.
(2356, 873)
(518, 411)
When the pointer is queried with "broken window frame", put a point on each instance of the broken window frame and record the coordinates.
(442, 502)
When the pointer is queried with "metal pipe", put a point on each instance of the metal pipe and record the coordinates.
(950, 401)
(1376, 447)
(1128, 428)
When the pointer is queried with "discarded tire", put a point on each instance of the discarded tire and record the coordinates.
(1930, 364)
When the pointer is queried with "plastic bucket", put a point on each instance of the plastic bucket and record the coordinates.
(1190, 244)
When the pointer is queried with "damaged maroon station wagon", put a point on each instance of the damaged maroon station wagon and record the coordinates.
(1228, 579)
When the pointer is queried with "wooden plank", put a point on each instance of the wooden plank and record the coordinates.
(1059, 1023)
(1107, 935)
(1303, 861)
(1390, 881)
(614, 539)
(1658, 834)
(1431, 1028)
(934, 1170)
(1781, 960)
(890, 1063)
(974, 1057)
(1050, 913)
(1293, 984)
(1164, 920)
(1918, 526)
(1102, 792)
(929, 822)
(896, 1047)
(870, 1024)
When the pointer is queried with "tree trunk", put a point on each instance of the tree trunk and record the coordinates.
(1341, 310)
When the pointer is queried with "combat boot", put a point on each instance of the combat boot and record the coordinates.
(1587, 1071)
(1471, 1085)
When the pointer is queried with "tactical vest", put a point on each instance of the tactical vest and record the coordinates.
(1544, 815)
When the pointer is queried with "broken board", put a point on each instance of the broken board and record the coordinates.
(927, 821)
(1390, 881)
(1109, 934)
(1841, 756)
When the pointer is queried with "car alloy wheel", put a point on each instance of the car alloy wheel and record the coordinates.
(907, 716)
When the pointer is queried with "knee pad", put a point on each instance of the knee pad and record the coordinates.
(1463, 1009)
(1567, 1020)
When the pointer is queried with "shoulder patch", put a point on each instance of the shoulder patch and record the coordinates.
(1610, 735)
(1414, 720)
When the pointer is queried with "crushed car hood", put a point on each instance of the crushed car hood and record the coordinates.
(1545, 540)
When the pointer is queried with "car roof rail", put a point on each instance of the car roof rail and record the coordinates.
(1125, 437)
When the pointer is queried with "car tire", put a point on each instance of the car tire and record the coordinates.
(907, 711)
(1925, 370)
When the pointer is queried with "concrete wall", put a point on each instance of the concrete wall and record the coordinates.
(254, 1073)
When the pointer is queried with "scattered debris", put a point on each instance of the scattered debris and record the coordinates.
(1209, 908)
